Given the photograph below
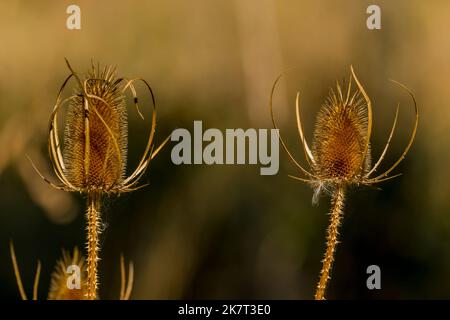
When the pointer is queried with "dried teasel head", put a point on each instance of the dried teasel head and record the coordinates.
(340, 153)
(96, 159)
(340, 148)
(59, 289)
(95, 135)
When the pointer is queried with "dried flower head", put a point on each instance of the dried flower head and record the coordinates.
(58, 285)
(339, 145)
(95, 147)
(95, 135)
(340, 154)
(98, 162)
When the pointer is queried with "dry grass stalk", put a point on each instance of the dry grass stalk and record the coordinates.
(340, 155)
(95, 148)
(126, 286)
(23, 295)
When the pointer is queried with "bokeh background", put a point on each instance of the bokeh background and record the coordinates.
(225, 231)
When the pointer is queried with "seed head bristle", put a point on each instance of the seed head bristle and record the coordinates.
(107, 143)
(58, 286)
(340, 137)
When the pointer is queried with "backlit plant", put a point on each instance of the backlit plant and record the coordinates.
(340, 155)
(94, 156)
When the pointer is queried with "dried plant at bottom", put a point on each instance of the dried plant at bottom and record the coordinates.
(59, 289)
(340, 155)
(93, 161)
(58, 285)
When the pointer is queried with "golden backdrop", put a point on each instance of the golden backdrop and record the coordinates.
(225, 231)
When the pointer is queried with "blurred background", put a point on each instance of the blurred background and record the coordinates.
(225, 231)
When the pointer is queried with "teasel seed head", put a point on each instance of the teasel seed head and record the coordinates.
(340, 136)
(103, 165)
(341, 152)
(58, 286)
(96, 134)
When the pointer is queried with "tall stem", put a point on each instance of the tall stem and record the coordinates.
(92, 243)
(332, 240)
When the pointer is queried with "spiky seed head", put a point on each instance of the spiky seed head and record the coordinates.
(103, 166)
(58, 286)
(340, 138)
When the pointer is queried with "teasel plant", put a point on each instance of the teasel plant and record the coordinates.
(59, 289)
(340, 156)
(94, 155)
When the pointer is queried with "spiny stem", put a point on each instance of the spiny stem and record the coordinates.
(93, 248)
(332, 240)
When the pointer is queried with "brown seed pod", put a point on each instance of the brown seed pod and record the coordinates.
(339, 145)
(107, 142)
